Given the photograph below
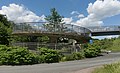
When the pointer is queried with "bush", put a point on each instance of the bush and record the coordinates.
(16, 56)
(77, 55)
(49, 56)
(67, 58)
(73, 56)
(91, 52)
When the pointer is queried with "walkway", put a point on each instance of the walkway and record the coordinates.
(104, 30)
(53, 32)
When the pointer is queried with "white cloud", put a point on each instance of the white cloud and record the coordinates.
(67, 20)
(74, 12)
(18, 13)
(81, 16)
(42, 18)
(99, 10)
(77, 14)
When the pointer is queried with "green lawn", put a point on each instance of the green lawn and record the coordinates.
(116, 46)
(111, 68)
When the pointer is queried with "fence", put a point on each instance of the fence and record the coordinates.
(62, 47)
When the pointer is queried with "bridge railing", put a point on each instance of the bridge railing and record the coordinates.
(42, 27)
(104, 28)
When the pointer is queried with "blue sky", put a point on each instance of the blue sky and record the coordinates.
(79, 12)
(40, 7)
(64, 7)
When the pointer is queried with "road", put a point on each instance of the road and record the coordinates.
(62, 67)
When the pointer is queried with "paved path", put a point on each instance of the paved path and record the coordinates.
(63, 67)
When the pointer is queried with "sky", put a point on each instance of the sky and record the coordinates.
(77, 12)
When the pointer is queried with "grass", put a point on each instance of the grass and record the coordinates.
(110, 68)
(116, 46)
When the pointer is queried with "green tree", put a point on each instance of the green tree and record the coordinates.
(43, 39)
(54, 21)
(5, 30)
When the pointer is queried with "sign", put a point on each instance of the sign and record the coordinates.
(91, 41)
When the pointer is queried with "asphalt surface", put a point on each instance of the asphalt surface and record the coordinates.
(62, 67)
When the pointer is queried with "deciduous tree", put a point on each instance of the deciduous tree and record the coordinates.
(5, 30)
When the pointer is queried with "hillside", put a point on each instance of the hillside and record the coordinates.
(115, 46)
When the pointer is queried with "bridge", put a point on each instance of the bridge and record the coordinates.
(104, 30)
(78, 33)
(40, 29)
(65, 30)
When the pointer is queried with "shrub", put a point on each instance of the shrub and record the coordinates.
(16, 56)
(49, 55)
(77, 55)
(91, 52)
(68, 58)
(73, 56)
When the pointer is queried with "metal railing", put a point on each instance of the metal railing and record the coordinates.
(104, 28)
(40, 27)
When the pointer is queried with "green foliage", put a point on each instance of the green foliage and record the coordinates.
(111, 68)
(55, 21)
(115, 46)
(77, 55)
(92, 50)
(5, 30)
(16, 56)
(112, 44)
(21, 39)
(67, 58)
(73, 56)
(106, 43)
(43, 39)
(49, 55)
(65, 49)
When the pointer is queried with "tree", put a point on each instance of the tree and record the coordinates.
(54, 21)
(43, 39)
(5, 30)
